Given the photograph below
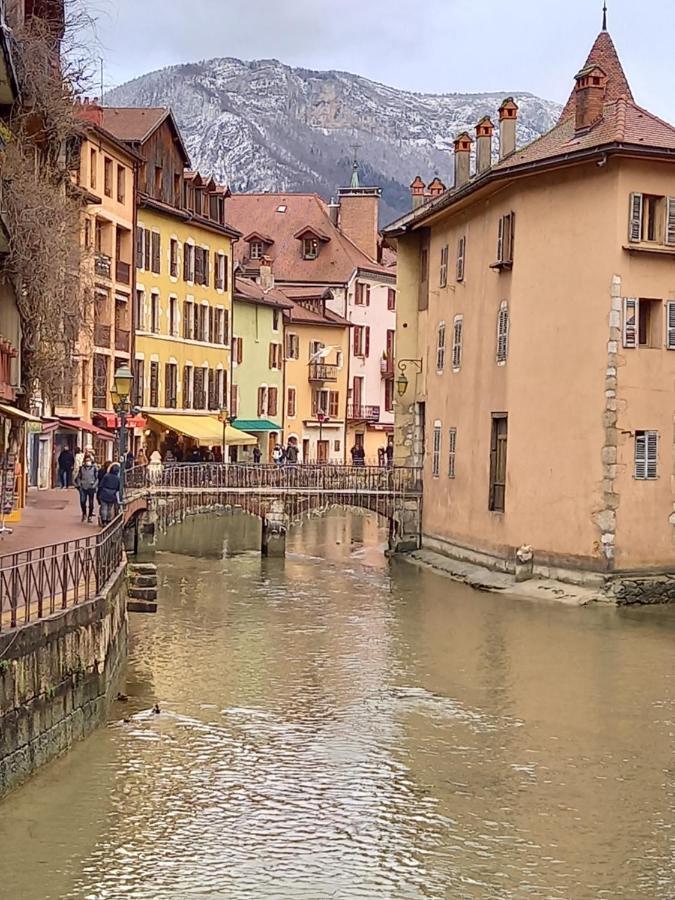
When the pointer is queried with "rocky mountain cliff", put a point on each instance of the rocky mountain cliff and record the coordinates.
(262, 125)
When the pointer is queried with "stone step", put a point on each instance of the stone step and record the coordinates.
(137, 580)
(142, 606)
(138, 593)
(142, 568)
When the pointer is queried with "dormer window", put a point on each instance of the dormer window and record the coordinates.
(256, 249)
(310, 248)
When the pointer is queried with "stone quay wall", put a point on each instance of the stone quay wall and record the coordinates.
(57, 676)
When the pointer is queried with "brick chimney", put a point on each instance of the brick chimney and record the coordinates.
(89, 111)
(589, 97)
(508, 116)
(436, 187)
(417, 190)
(462, 159)
(484, 131)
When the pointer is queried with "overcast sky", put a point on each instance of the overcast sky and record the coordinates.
(432, 45)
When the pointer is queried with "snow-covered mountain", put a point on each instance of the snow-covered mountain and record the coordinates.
(262, 125)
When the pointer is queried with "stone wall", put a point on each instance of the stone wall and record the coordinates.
(637, 590)
(56, 678)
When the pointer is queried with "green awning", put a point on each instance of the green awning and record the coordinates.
(256, 425)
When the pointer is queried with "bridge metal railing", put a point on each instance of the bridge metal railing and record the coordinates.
(44, 580)
(192, 476)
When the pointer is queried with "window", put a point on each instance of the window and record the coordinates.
(651, 218)
(156, 252)
(146, 249)
(292, 346)
(457, 343)
(158, 181)
(154, 313)
(107, 176)
(452, 449)
(93, 163)
(221, 388)
(362, 340)
(262, 401)
(219, 328)
(461, 253)
(170, 385)
(256, 249)
(187, 387)
(188, 320)
(498, 462)
(291, 399)
(391, 299)
(642, 323)
(173, 316)
(503, 332)
(173, 258)
(220, 271)
(389, 395)
(276, 319)
(139, 383)
(188, 262)
(505, 237)
(226, 326)
(154, 384)
(272, 401)
(436, 451)
(275, 356)
(100, 381)
(444, 267)
(319, 403)
(121, 184)
(440, 348)
(314, 348)
(202, 323)
(646, 455)
(423, 291)
(234, 400)
(139, 311)
(199, 388)
(211, 401)
(670, 326)
(176, 189)
(362, 296)
(310, 248)
(237, 350)
(333, 404)
(199, 265)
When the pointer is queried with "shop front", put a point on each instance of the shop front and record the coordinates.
(190, 438)
(110, 421)
(267, 433)
(16, 428)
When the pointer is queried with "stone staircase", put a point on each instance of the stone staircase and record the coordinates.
(142, 591)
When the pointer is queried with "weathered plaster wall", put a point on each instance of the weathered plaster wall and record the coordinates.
(56, 678)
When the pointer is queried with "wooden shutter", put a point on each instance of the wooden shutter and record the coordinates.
(226, 272)
(226, 326)
(630, 321)
(670, 220)
(367, 290)
(272, 400)
(652, 446)
(261, 400)
(500, 241)
(502, 333)
(333, 404)
(186, 387)
(146, 249)
(139, 247)
(357, 340)
(205, 254)
(670, 325)
(212, 388)
(440, 348)
(186, 262)
(156, 252)
(290, 402)
(367, 347)
(635, 218)
(511, 220)
(461, 244)
(457, 343)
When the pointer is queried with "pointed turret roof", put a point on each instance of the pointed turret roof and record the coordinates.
(603, 53)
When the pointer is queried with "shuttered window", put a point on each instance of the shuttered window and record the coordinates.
(170, 385)
(461, 253)
(436, 450)
(670, 325)
(635, 218)
(452, 450)
(146, 249)
(173, 261)
(199, 388)
(272, 401)
(505, 240)
(457, 342)
(262, 401)
(291, 402)
(498, 439)
(646, 455)
(670, 220)
(292, 346)
(333, 404)
(140, 242)
(156, 252)
(503, 332)
(187, 387)
(139, 383)
(444, 266)
(440, 348)
(630, 321)
(154, 384)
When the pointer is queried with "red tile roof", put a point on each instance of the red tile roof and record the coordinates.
(603, 53)
(252, 292)
(135, 125)
(338, 257)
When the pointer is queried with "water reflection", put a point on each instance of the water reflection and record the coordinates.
(333, 726)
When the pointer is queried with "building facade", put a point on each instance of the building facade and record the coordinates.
(537, 298)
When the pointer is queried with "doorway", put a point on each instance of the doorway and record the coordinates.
(305, 450)
(322, 451)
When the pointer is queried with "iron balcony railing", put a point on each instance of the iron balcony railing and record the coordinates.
(102, 265)
(322, 372)
(358, 412)
(37, 583)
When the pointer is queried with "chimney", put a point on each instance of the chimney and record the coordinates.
(417, 192)
(462, 159)
(508, 116)
(436, 188)
(265, 276)
(589, 97)
(333, 210)
(89, 111)
(484, 131)
(358, 218)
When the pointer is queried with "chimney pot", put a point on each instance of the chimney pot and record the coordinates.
(462, 159)
(417, 190)
(508, 116)
(589, 97)
(436, 188)
(484, 131)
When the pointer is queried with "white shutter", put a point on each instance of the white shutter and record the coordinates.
(503, 332)
(440, 349)
(452, 449)
(444, 267)
(670, 220)
(457, 343)
(646, 455)
(635, 218)
(630, 321)
(500, 241)
(670, 325)
(640, 454)
(461, 244)
(652, 451)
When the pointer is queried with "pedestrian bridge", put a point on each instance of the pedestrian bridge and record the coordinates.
(279, 495)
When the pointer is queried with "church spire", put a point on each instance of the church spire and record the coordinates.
(604, 16)
(355, 168)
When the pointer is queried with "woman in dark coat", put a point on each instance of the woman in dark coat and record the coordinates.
(109, 494)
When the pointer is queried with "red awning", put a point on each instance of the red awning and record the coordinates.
(112, 420)
(79, 425)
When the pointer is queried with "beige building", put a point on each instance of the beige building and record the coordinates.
(538, 298)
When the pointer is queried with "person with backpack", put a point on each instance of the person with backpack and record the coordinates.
(109, 494)
(86, 481)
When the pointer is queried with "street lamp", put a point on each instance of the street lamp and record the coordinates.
(321, 417)
(226, 419)
(402, 380)
(120, 395)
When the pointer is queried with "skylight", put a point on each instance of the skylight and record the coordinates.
(282, 208)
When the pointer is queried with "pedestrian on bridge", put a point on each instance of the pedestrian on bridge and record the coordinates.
(109, 494)
(86, 481)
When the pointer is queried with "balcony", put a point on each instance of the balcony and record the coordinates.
(321, 372)
(361, 413)
(102, 335)
(122, 339)
(102, 265)
(387, 367)
(122, 272)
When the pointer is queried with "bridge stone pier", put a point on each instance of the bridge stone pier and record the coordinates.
(280, 497)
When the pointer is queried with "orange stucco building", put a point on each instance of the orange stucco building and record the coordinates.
(538, 298)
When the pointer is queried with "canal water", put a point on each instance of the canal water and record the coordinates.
(333, 726)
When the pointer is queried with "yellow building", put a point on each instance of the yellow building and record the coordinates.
(183, 295)
(316, 379)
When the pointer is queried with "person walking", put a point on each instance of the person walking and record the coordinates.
(278, 455)
(66, 461)
(292, 452)
(256, 455)
(358, 455)
(109, 494)
(390, 454)
(79, 459)
(86, 481)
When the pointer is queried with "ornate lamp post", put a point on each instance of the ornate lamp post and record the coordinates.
(226, 419)
(121, 401)
(402, 380)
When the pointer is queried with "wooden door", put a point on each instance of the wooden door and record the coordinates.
(322, 451)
